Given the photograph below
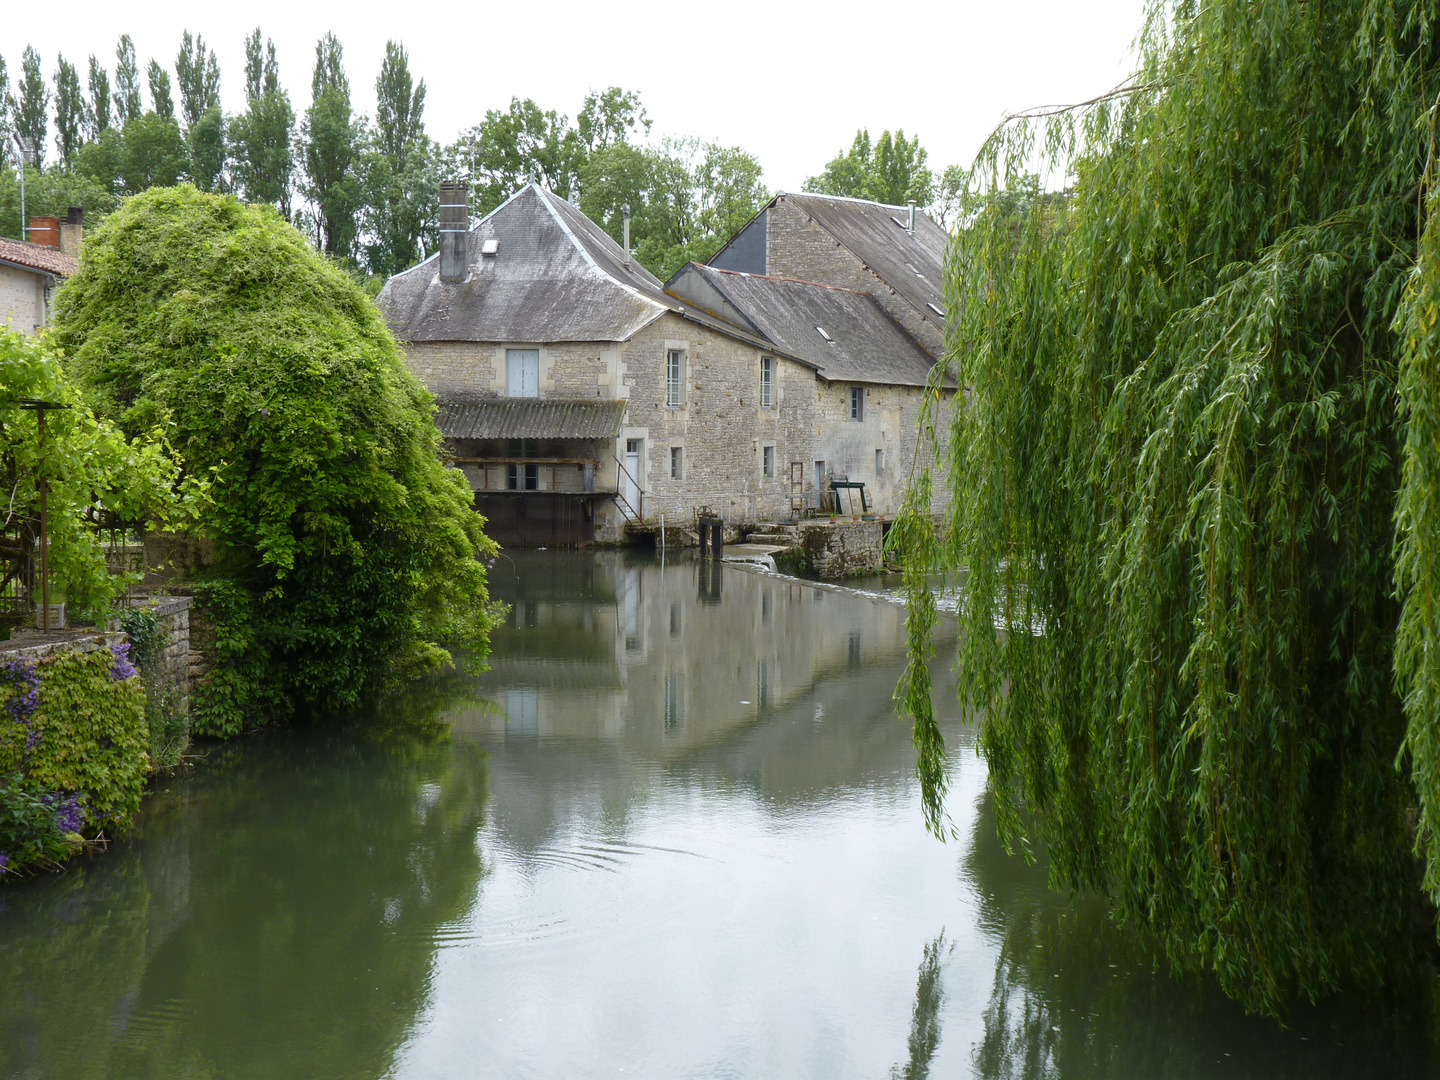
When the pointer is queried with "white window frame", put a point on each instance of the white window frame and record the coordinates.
(857, 404)
(518, 359)
(767, 382)
(674, 378)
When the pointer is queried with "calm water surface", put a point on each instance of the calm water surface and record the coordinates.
(672, 832)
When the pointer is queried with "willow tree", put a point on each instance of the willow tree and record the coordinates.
(1199, 356)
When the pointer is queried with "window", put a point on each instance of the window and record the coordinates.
(675, 378)
(767, 461)
(522, 372)
(879, 462)
(677, 463)
(523, 476)
(857, 403)
(767, 382)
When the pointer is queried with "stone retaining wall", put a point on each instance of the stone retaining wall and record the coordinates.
(837, 549)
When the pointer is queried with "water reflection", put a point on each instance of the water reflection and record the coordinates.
(273, 918)
(672, 831)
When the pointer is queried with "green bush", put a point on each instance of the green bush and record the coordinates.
(73, 738)
(346, 549)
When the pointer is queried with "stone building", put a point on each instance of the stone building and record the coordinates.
(582, 396)
(31, 271)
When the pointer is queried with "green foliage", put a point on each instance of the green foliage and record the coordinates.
(168, 727)
(69, 110)
(509, 148)
(686, 198)
(97, 116)
(343, 540)
(88, 465)
(32, 106)
(1174, 479)
(161, 101)
(127, 82)
(197, 75)
(89, 736)
(891, 171)
(262, 137)
(331, 135)
(399, 177)
(53, 192)
(29, 833)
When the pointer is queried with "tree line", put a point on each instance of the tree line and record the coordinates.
(365, 190)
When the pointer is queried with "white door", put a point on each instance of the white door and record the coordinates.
(522, 372)
(630, 482)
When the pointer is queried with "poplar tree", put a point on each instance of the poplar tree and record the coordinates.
(127, 82)
(330, 136)
(32, 109)
(400, 179)
(262, 137)
(161, 102)
(197, 77)
(1173, 474)
(98, 113)
(70, 120)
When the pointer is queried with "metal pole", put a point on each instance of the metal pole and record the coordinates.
(44, 532)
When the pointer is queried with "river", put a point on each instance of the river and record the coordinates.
(673, 831)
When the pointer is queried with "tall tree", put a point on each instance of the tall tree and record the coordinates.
(70, 121)
(7, 107)
(399, 172)
(331, 138)
(1175, 472)
(686, 198)
(610, 116)
(891, 171)
(507, 149)
(98, 111)
(262, 137)
(32, 110)
(127, 82)
(161, 101)
(197, 77)
(399, 108)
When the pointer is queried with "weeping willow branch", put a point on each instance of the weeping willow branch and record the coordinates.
(1173, 483)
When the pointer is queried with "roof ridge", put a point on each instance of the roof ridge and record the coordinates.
(545, 197)
(853, 199)
(780, 277)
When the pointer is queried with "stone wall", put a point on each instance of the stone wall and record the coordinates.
(22, 299)
(838, 549)
(173, 668)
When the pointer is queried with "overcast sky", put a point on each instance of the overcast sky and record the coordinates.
(789, 82)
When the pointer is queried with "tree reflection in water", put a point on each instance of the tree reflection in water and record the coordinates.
(925, 1020)
(1076, 997)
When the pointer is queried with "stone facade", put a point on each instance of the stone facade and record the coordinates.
(173, 670)
(721, 429)
(22, 299)
(842, 548)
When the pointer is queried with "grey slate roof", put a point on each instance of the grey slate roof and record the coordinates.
(865, 344)
(875, 233)
(542, 285)
(529, 418)
(556, 276)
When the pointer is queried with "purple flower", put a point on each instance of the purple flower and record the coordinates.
(25, 697)
(69, 817)
(123, 668)
(4, 861)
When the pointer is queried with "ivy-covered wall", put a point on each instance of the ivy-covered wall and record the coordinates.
(73, 747)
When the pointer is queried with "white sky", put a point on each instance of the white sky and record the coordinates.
(789, 82)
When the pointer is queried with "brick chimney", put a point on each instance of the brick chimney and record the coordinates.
(45, 231)
(72, 231)
(454, 231)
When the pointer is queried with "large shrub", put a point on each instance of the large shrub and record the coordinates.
(346, 549)
(1175, 481)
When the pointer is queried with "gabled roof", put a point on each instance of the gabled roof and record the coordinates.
(554, 276)
(845, 335)
(876, 234)
(529, 418)
(38, 257)
(542, 284)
